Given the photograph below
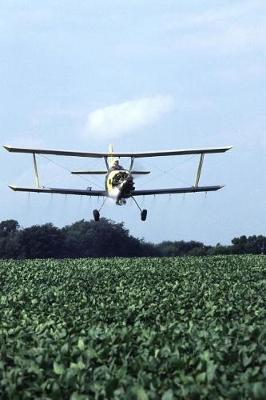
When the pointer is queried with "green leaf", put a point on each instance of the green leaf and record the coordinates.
(246, 360)
(79, 365)
(81, 344)
(58, 368)
(211, 368)
(138, 393)
(259, 390)
(168, 395)
(201, 377)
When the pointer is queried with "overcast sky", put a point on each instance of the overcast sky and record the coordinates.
(143, 75)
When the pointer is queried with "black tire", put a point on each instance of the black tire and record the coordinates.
(96, 215)
(143, 215)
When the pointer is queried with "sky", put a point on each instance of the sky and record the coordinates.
(153, 75)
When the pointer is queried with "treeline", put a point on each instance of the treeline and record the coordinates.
(105, 239)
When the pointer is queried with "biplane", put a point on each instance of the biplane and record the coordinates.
(119, 181)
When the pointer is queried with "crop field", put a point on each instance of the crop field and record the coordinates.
(188, 328)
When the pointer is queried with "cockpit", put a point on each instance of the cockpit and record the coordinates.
(120, 180)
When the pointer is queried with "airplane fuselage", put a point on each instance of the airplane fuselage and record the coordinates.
(119, 185)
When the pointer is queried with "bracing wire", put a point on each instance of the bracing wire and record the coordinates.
(67, 169)
(162, 172)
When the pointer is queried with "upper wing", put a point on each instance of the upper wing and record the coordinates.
(80, 192)
(133, 172)
(192, 189)
(181, 152)
(115, 154)
(55, 152)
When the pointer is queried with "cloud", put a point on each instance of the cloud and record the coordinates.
(120, 119)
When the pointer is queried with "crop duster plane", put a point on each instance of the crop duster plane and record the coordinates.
(119, 182)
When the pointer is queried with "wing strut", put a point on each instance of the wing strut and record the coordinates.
(131, 163)
(199, 170)
(37, 179)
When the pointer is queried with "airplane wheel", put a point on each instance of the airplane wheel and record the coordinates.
(96, 215)
(143, 215)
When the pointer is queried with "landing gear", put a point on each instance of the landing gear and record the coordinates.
(96, 215)
(143, 215)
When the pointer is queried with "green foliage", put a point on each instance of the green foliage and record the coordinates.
(181, 248)
(249, 245)
(100, 239)
(44, 241)
(80, 240)
(105, 238)
(9, 238)
(188, 328)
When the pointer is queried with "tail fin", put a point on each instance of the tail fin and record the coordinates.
(110, 158)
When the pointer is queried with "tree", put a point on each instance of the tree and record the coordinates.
(8, 227)
(239, 245)
(181, 248)
(9, 232)
(41, 241)
(105, 239)
(219, 250)
(249, 245)
(100, 239)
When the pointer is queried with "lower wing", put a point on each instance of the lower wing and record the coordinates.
(98, 193)
(192, 189)
(81, 192)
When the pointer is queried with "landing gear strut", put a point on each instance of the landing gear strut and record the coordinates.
(143, 213)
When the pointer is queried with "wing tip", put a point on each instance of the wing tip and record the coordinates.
(12, 187)
(7, 147)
